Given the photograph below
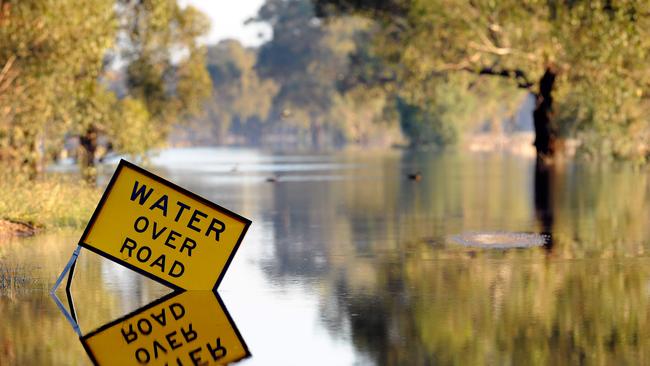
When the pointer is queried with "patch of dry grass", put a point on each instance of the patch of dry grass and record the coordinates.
(52, 201)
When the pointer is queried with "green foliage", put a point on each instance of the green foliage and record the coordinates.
(321, 83)
(242, 99)
(453, 106)
(299, 62)
(134, 132)
(49, 72)
(425, 126)
(605, 52)
(56, 59)
(308, 59)
(598, 48)
(166, 69)
(365, 117)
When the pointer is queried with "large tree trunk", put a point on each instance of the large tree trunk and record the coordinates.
(88, 144)
(545, 128)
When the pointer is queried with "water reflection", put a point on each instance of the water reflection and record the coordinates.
(358, 269)
(181, 328)
(375, 249)
(544, 198)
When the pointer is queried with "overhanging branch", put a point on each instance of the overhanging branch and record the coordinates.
(518, 75)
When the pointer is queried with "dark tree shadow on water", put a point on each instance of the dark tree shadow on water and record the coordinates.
(544, 176)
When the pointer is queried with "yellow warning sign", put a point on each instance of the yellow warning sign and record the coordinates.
(186, 328)
(163, 231)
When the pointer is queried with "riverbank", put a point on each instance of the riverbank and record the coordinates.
(17, 228)
(49, 202)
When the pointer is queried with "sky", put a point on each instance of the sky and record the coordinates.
(228, 17)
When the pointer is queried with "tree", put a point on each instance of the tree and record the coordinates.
(52, 56)
(294, 59)
(454, 105)
(587, 57)
(308, 59)
(56, 63)
(242, 100)
(166, 81)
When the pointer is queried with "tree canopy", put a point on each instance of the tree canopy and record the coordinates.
(593, 53)
(122, 71)
(118, 74)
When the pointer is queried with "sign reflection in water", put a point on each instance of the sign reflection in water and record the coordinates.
(182, 328)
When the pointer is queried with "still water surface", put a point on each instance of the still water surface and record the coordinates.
(349, 262)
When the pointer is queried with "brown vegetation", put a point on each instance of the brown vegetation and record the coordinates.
(17, 228)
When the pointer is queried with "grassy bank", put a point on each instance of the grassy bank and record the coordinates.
(52, 201)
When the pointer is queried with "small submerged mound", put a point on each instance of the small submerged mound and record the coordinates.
(500, 240)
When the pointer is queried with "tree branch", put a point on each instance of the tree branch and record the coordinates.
(490, 48)
(6, 77)
(518, 75)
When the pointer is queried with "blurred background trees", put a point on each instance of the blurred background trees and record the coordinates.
(51, 56)
(121, 71)
(583, 60)
(84, 80)
(242, 100)
(434, 72)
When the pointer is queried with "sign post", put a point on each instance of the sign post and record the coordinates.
(69, 270)
(179, 239)
(162, 231)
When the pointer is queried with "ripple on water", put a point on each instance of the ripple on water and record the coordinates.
(500, 240)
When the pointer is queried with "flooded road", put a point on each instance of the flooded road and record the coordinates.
(354, 259)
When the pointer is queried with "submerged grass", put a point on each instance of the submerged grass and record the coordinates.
(51, 201)
(12, 278)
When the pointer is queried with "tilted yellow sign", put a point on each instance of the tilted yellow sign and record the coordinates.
(163, 231)
(188, 328)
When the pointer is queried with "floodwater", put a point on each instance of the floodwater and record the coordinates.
(350, 262)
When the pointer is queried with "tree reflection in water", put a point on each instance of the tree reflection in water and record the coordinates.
(375, 246)
(544, 199)
(371, 247)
